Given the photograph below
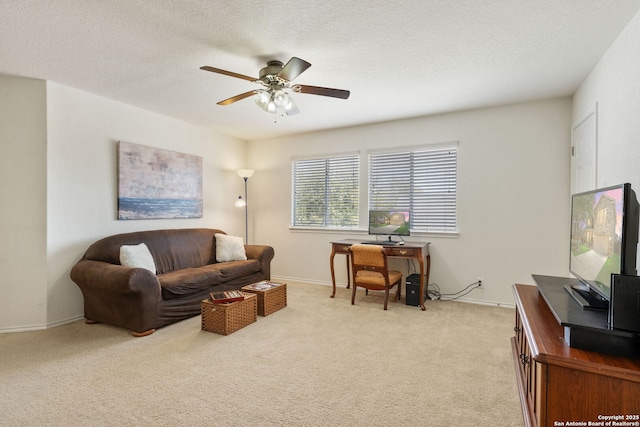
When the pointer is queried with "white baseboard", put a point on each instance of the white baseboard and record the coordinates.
(480, 302)
(317, 282)
(39, 327)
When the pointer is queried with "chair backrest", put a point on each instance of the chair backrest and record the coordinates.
(369, 258)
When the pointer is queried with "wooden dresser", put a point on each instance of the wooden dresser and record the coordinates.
(560, 385)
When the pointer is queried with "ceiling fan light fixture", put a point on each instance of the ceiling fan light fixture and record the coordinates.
(263, 100)
(281, 99)
(274, 101)
(263, 97)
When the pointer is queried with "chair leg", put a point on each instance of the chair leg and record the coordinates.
(353, 294)
(386, 296)
(399, 291)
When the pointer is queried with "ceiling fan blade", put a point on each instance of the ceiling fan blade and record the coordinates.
(293, 69)
(324, 91)
(228, 73)
(238, 97)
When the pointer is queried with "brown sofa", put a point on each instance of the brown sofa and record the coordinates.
(187, 270)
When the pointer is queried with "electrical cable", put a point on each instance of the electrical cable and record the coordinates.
(411, 266)
(455, 293)
(459, 296)
(433, 291)
(435, 294)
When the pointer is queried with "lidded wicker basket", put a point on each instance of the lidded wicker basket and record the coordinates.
(225, 319)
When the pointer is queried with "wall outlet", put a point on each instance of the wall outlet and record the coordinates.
(479, 280)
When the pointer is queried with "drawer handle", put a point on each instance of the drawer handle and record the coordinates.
(524, 359)
(403, 252)
(345, 248)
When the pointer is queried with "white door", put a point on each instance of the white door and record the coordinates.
(584, 154)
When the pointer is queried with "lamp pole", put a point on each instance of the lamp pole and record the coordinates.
(246, 212)
(245, 174)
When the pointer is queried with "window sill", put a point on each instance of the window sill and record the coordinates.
(325, 230)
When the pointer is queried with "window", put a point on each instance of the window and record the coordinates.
(422, 180)
(325, 192)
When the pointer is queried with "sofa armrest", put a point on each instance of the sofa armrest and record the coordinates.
(118, 295)
(264, 254)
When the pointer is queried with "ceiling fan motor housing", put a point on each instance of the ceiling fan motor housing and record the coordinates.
(272, 69)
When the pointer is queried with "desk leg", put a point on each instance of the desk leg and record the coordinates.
(348, 270)
(428, 270)
(333, 273)
(424, 279)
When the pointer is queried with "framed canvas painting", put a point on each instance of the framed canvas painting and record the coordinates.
(155, 183)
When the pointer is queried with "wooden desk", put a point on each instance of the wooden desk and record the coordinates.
(411, 250)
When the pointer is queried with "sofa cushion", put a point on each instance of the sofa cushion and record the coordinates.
(137, 256)
(229, 248)
(179, 283)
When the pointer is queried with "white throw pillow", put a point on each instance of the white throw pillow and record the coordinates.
(229, 248)
(137, 256)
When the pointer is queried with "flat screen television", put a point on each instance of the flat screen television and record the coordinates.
(604, 239)
(392, 222)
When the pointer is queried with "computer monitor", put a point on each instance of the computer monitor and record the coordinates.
(389, 222)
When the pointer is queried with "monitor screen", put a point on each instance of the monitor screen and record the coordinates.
(604, 234)
(394, 222)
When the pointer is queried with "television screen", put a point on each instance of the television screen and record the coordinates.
(604, 235)
(389, 222)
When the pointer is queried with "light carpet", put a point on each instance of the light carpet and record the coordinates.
(317, 362)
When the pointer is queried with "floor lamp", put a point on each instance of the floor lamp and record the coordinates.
(245, 174)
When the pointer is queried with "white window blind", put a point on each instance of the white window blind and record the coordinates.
(423, 181)
(325, 192)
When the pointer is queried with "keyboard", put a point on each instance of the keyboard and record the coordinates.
(379, 242)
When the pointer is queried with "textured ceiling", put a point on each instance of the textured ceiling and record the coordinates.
(398, 58)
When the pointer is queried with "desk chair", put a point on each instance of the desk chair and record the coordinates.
(370, 271)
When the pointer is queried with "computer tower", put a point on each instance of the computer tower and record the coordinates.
(412, 294)
(624, 305)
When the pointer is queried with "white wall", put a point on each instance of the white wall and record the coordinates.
(614, 84)
(70, 185)
(23, 201)
(83, 131)
(58, 184)
(513, 192)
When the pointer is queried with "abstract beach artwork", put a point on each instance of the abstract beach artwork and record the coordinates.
(155, 183)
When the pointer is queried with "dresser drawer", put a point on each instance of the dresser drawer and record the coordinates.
(402, 252)
(341, 248)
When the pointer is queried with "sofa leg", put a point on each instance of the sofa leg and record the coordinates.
(142, 334)
(90, 322)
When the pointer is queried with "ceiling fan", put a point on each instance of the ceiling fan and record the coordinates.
(276, 81)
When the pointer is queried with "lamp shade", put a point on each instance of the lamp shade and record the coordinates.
(245, 173)
(241, 203)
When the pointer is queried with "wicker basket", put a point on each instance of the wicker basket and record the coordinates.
(227, 318)
(269, 300)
